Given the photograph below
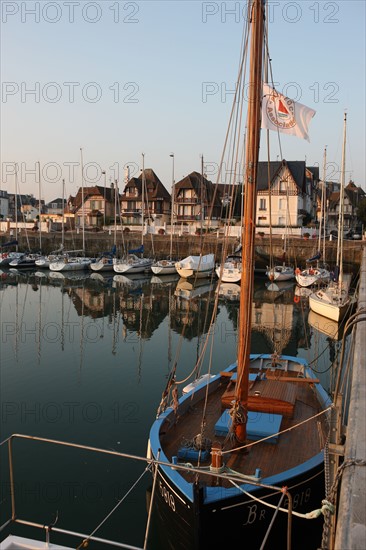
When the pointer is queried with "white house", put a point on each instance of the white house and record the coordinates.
(291, 188)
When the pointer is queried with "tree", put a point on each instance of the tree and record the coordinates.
(361, 212)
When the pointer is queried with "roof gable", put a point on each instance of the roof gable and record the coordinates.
(296, 168)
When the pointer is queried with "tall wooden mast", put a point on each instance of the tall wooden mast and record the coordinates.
(250, 196)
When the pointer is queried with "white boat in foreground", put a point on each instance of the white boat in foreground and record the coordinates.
(333, 302)
(196, 266)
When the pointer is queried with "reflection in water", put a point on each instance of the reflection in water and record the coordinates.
(105, 345)
(326, 326)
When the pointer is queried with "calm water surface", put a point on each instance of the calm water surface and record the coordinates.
(85, 359)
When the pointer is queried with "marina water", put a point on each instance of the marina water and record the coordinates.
(85, 360)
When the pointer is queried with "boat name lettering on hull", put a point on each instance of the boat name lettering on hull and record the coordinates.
(300, 498)
(254, 514)
(167, 496)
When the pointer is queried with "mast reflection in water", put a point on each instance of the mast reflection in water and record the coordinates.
(85, 358)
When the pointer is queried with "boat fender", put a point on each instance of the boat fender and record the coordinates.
(297, 271)
(296, 299)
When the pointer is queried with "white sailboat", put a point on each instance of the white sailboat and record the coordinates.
(105, 262)
(316, 275)
(44, 261)
(133, 263)
(230, 272)
(334, 301)
(70, 261)
(282, 272)
(167, 267)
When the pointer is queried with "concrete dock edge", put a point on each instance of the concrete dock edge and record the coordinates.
(351, 526)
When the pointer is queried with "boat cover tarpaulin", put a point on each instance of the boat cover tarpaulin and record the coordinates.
(137, 250)
(200, 263)
(316, 257)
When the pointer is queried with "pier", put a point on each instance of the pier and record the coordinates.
(350, 532)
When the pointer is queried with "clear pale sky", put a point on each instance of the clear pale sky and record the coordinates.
(119, 79)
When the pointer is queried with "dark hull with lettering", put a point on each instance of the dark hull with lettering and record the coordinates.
(179, 524)
(218, 513)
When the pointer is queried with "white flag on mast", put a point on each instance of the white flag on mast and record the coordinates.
(279, 113)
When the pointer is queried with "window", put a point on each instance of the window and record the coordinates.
(262, 204)
(283, 185)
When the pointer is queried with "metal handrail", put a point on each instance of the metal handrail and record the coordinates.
(147, 461)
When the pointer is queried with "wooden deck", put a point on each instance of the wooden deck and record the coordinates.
(292, 448)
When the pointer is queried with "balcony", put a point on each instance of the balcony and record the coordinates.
(187, 200)
(185, 218)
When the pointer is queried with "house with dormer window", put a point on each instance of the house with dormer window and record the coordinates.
(352, 197)
(196, 200)
(96, 204)
(291, 188)
(145, 196)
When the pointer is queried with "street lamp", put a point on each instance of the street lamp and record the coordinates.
(172, 208)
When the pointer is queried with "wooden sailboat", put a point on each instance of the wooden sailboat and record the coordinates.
(334, 301)
(229, 447)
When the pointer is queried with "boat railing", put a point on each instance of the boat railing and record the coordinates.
(151, 464)
(52, 527)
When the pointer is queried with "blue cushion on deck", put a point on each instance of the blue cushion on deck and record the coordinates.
(259, 425)
(192, 454)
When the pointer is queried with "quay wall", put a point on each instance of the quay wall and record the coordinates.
(298, 249)
(351, 525)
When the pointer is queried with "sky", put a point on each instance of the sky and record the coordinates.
(128, 83)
